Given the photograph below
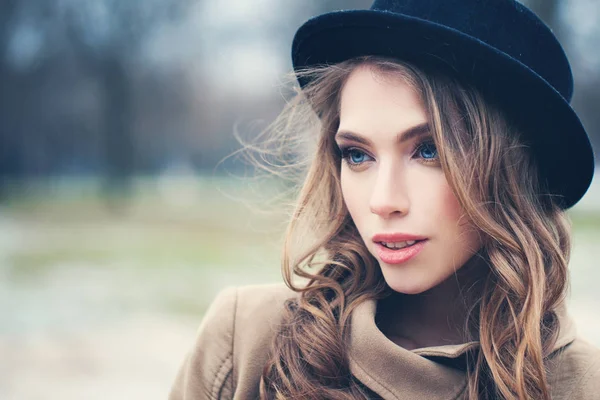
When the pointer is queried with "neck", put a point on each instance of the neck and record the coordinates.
(435, 317)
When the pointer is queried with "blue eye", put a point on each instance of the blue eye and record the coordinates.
(353, 156)
(356, 156)
(427, 151)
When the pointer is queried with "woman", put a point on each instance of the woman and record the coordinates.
(430, 229)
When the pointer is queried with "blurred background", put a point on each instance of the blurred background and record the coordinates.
(118, 224)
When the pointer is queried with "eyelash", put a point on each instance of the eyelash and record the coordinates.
(346, 151)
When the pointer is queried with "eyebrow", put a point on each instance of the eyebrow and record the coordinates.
(415, 131)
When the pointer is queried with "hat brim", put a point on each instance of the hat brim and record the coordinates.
(552, 129)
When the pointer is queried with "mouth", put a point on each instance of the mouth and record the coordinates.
(399, 245)
(399, 252)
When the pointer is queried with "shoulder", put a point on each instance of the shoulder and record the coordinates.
(261, 302)
(258, 318)
(244, 306)
(575, 371)
(232, 342)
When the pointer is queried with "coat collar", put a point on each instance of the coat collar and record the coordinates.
(397, 373)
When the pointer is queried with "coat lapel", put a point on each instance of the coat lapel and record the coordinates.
(394, 372)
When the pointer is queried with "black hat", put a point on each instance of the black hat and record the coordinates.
(500, 46)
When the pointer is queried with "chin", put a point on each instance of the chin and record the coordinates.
(410, 279)
(408, 286)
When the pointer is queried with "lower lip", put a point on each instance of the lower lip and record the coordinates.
(399, 256)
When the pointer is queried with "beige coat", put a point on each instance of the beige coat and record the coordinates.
(227, 358)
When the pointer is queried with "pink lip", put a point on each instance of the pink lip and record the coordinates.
(397, 256)
(396, 237)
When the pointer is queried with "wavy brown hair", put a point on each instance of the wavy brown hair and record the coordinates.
(526, 239)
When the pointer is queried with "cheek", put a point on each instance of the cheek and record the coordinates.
(469, 238)
(350, 196)
(451, 208)
(356, 200)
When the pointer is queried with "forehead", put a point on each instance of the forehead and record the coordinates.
(372, 101)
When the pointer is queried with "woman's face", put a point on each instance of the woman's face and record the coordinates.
(393, 185)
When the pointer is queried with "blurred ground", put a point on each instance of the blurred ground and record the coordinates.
(101, 304)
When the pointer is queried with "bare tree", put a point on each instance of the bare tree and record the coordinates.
(106, 35)
(8, 145)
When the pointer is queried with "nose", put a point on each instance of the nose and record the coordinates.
(390, 195)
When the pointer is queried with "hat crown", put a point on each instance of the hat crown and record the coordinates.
(506, 25)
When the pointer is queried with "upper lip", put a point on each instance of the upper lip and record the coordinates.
(396, 237)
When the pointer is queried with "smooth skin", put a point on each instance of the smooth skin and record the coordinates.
(392, 181)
